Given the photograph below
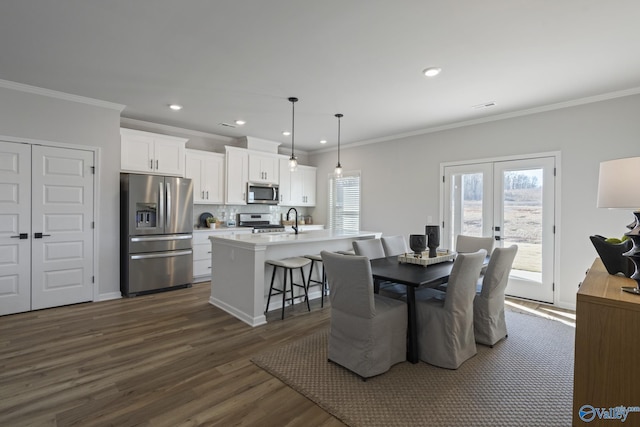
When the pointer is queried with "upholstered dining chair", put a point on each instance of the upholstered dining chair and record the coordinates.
(488, 306)
(465, 244)
(371, 248)
(445, 325)
(368, 332)
(394, 245)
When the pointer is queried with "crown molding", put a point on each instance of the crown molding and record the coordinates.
(60, 95)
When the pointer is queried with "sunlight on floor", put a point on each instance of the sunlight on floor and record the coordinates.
(546, 312)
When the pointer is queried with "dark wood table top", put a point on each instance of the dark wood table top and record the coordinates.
(410, 274)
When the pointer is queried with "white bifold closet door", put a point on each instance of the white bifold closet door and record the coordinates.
(46, 226)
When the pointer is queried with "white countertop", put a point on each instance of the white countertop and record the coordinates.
(302, 227)
(292, 238)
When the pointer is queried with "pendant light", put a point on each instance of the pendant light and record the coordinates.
(293, 160)
(338, 170)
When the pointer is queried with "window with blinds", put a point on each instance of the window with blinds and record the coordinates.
(344, 201)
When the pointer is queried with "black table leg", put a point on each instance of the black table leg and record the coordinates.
(412, 331)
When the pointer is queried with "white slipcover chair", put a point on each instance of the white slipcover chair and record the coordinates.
(445, 328)
(488, 306)
(368, 332)
(394, 245)
(371, 248)
(465, 244)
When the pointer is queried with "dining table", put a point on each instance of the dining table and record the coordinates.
(412, 276)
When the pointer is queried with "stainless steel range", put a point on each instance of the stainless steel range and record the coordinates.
(261, 223)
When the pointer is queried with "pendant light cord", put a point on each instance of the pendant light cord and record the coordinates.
(339, 116)
(293, 124)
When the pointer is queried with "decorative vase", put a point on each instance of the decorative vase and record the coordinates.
(433, 235)
(417, 243)
(612, 257)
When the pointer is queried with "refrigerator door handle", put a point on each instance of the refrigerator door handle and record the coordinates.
(168, 211)
(162, 238)
(161, 255)
(161, 210)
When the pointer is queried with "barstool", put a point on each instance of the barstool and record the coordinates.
(323, 283)
(288, 264)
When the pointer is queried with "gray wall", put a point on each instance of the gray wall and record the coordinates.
(32, 116)
(400, 178)
(401, 182)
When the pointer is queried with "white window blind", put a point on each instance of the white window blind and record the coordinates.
(344, 201)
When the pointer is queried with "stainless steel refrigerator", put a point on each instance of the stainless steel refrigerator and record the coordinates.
(156, 233)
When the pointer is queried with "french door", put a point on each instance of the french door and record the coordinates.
(46, 235)
(513, 201)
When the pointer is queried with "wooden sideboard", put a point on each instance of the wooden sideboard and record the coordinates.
(607, 346)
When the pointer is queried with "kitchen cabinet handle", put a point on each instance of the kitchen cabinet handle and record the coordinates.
(21, 236)
(151, 164)
(40, 235)
(157, 163)
(207, 195)
(203, 194)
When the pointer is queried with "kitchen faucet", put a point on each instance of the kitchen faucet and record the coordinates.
(295, 227)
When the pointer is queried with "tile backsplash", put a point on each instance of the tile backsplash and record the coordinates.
(223, 212)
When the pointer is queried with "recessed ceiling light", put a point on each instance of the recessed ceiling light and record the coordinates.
(175, 107)
(286, 133)
(323, 141)
(431, 71)
(240, 122)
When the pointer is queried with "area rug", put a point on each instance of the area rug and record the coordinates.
(525, 380)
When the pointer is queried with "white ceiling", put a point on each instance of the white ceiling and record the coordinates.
(225, 60)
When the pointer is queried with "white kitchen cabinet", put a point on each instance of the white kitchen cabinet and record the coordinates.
(206, 170)
(202, 250)
(297, 188)
(150, 153)
(263, 168)
(237, 173)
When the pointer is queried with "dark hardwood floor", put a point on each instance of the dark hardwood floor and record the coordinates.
(167, 359)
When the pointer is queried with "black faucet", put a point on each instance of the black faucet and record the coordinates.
(295, 227)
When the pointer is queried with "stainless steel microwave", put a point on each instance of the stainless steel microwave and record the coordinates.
(266, 194)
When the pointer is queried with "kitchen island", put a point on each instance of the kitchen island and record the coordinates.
(240, 280)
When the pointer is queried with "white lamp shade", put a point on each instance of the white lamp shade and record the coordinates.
(619, 184)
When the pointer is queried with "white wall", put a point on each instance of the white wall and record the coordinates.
(33, 116)
(401, 182)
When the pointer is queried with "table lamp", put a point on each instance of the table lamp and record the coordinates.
(619, 188)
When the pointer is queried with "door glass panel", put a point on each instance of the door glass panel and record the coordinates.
(522, 216)
(467, 202)
(471, 212)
